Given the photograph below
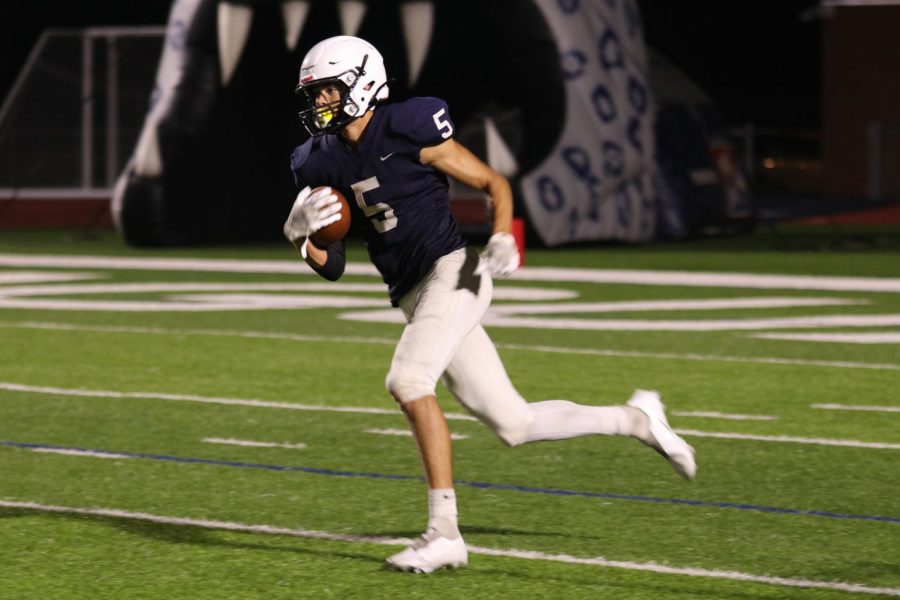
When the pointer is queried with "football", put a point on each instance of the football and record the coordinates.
(336, 231)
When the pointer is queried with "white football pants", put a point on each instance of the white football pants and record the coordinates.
(444, 336)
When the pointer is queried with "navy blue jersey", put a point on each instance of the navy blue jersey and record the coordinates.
(404, 203)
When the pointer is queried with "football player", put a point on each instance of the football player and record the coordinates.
(392, 161)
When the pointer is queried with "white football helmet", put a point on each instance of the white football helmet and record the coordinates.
(349, 63)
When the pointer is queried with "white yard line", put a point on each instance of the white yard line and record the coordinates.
(74, 452)
(15, 387)
(30, 389)
(252, 444)
(623, 276)
(215, 265)
(501, 293)
(268, 335)
(868, 337)
(695, 304)
(650, 567)
(765, 360)
(790, 439)
(408, 433)
(888, 409)
(393, 341)
(711, 414)
(815, 322)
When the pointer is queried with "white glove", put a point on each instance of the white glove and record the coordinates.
(500, 257)
(312, 211)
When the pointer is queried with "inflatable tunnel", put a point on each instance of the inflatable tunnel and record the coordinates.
(556, 93)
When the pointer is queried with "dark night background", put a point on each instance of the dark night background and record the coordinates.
(757, 60)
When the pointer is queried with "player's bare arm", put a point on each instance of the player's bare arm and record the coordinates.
(458, 162)
(315, 257)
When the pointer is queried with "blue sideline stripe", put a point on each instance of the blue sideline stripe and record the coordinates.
(473, 484)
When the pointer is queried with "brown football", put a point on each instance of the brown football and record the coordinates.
(337, 230)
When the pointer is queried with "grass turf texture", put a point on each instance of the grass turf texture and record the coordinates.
(76, 556)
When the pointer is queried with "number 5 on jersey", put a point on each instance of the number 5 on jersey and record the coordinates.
(442, 124)
(387, 220)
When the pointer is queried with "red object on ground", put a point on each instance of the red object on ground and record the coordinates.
(518, 231)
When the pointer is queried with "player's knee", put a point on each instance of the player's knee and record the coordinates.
(513, 430)
(510, 425)
(407, 385)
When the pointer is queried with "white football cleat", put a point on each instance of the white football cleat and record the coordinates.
(665, 441)
(430, 552)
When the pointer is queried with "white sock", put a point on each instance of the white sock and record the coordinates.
(561, 419)
(442, 512)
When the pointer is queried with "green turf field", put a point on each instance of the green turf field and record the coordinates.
(225, 432)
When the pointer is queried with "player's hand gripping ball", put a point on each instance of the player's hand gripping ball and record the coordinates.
(320, 214)
(337, 230)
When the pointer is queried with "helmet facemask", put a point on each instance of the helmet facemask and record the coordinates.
(334, 116)
(330, 117)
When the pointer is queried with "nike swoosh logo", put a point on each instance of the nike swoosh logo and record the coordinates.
(387, 156)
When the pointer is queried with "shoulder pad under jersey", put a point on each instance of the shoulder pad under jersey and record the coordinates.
(300, 154)
(424, 121)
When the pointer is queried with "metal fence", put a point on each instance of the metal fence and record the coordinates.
(75, 111)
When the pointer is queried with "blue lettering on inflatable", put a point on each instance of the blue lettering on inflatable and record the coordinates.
(604, 104)
(611, 51)
(551, 196)
(580, 163)
(568, 6)
(637, 94)
(634, 134)
(613, 159)
(573, 63)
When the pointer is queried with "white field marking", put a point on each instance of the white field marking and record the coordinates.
(788, 439)
(669, 305)
(202, 304)
(631, 277)
(252, 444)
(765, 360)
(408, 433)
(19, 277)
(28, 389)
(505, 293)
(19, 297)
(73, 452)
(869, 337)
(266, 335)
(650, 567)
(696, 279)
(293, 267)
(297, 337)
(161, 287)
(856, 407)
(508, 292)
(720, 415)
(14, 387)
(497, 319)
